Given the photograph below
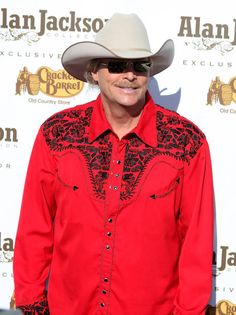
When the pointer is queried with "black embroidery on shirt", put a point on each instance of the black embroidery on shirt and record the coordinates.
(69, 130)
(38, 308)
(176, 137)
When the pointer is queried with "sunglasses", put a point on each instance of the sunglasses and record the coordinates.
(139, 66)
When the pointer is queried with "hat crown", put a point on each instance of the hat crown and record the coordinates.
(124, 32)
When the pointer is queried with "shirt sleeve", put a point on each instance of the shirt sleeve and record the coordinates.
(34, 238)
(196, 230)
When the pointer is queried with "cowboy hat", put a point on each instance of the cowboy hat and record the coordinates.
(124, 36)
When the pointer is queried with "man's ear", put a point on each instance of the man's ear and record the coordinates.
(95, 76)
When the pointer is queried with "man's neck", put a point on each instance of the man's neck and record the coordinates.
(122, 119)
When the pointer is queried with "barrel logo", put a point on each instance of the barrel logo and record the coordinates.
(50, 82)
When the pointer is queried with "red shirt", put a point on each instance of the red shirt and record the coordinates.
(118, 227)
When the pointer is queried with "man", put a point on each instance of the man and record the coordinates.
(117, 212)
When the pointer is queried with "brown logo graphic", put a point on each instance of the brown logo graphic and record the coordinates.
(227, 260)
(31, 28)
(220, 92)
(53, 83)
(8, 134)
(223, 307)
(208, 36)
(6, 249)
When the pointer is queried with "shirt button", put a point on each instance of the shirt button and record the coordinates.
(102, 304)
(115, 187)
(104, 291)
(108, 247)
(110, 220)
(108, 233)
(105, 279)
(117, 175)
(118, 162)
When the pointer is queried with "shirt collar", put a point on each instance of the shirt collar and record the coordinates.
(99, 124)
(146, 129)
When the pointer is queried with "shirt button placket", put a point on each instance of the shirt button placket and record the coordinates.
(112, 199)
(107, 262)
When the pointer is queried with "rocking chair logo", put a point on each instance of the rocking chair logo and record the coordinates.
(53, 83)
(222, 93)
(6, 249)
(207, 36)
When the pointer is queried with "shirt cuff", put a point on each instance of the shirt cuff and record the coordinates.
(39, 307)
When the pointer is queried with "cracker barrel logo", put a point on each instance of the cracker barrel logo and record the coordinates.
(220, 92)
(223, 307)
(53, 83)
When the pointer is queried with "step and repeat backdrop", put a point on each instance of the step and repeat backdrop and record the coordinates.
(200, 84)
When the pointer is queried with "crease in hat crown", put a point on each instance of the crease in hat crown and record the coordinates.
(113, 37)
(123, 36)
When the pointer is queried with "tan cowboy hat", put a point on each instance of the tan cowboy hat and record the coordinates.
(124, 36)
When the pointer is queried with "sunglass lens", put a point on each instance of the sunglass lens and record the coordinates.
(141, 66)
(116, 66)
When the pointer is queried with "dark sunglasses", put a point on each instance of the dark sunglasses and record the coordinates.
(139, 66)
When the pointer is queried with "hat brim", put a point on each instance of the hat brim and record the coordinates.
(76, 58)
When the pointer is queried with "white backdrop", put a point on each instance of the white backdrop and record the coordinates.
(200, 84)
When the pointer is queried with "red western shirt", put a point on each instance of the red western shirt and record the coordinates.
(116, 227)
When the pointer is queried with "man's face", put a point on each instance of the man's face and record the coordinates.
(123, 82)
